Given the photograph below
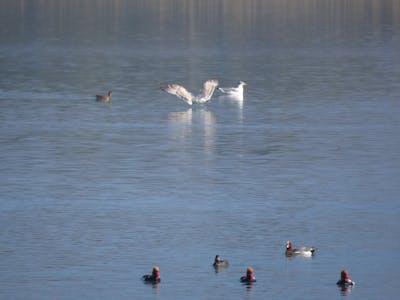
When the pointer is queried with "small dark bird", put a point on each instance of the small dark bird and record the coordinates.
(249, 278)
(345, 280)
(220, 263)
(154, 277)
(104, 98)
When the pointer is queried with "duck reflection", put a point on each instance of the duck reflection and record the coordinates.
(182, 126)
(156, 288)
(345, 290)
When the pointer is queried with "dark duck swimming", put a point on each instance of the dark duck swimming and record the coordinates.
(104, 98)
(249, 278)
(219, 262)
(154, 277)
(345, 280)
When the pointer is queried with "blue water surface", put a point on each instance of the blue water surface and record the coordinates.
(93, 195)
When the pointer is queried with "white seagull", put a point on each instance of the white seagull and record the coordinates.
(208, 89)
(236, 92)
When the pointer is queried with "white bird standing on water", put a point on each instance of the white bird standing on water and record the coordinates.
(235, 92)
(208, 90)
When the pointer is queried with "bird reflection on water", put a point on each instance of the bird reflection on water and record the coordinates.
(182, 126)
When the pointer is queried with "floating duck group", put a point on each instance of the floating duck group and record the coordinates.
(344, 281)
(208, 90)
(237, 92)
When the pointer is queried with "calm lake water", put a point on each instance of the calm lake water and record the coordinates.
(92, 195)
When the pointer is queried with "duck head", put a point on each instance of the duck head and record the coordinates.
(288, 245)
(156, 271)
(344, 275)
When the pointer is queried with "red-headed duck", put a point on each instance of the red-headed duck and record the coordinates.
(249, 278)
(345, 279)
(154, 277)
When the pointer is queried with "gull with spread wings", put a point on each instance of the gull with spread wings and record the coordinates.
(208, 89)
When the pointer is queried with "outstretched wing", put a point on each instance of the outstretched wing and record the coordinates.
(178, 91)
(208, 89)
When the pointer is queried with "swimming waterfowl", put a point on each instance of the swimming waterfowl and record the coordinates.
(236, 92)
(104, 98)
(249, 278)
(154, 277)
(301, 251)
(345, 280)
(208, 90)
(219, 262)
